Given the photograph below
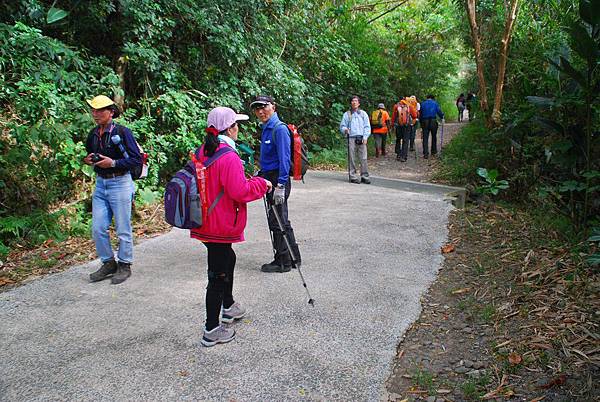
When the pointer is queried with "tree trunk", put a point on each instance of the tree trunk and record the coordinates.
(472, 14)
(121, 65)
(502, 60)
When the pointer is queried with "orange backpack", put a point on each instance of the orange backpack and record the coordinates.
(404, 117)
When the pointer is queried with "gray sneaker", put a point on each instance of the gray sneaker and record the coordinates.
(235, 312)
(217, 335)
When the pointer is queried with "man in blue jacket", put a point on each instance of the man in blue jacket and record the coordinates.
(275, 163)
(429, 112)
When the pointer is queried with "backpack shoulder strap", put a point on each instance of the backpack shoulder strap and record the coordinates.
(277, 125)
(220, 152)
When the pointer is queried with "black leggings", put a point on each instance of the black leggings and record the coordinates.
(221, 263)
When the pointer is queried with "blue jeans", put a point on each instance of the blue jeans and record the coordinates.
(113, 198)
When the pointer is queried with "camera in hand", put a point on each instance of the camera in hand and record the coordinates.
(96, 158)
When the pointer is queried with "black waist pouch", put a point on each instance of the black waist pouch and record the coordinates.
(358, 141)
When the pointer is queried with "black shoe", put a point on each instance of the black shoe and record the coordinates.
(403, 160)
(412, 150)
(275, 268)
(355, 181)
(365, 180)
(425, 156)
(123, 272)
(398, 158)
(107, 269)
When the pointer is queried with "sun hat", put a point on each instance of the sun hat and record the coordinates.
(381, 106)
(222, 118)
(103, 101)
(262, 100)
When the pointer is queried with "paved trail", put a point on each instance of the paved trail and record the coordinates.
(415, 168)
(369, 252)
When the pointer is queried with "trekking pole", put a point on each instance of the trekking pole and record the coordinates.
(292, 256)
(348, 148)
(270, 233)
(442, 138)
(414, 134)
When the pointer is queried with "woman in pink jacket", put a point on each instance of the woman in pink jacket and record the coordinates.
(225, 223)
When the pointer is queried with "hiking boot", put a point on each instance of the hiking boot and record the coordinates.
(219, 334)
(412, 150)
(273, 267)
(107, 269)
(398, 158)
(355, 181)
(235, 312)
(425, 156)
(365, 180)
(123, 272)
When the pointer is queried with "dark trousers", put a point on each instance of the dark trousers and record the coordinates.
(221, 263)
(402, 140)
(282, 254)
(413, 135)
(429, 126)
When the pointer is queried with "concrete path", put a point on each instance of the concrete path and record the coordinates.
(369, 252)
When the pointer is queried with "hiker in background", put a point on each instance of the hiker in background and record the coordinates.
(114, 191)
(415, 106)
(275, 161)
(404, 118)
(355, 127)
(380, 125)
(469, 104)
(225, 179)
(460, 105)
(430, 110)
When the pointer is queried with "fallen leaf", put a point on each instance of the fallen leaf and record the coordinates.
(443, 391)
(183, 373)
(448, 248)
(459, 291)
(5, 281)
(560, 380)
(514, 358)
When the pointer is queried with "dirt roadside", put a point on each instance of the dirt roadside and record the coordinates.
(512, 315)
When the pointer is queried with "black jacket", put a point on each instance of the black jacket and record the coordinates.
(103, 145)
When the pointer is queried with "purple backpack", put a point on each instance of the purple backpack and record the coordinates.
(183, 208)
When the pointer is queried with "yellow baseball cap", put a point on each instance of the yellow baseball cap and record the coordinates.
(100, 102)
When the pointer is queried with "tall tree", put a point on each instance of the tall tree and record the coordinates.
(511, 8)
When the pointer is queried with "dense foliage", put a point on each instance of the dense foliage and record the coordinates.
(168, 62)
(548, 146)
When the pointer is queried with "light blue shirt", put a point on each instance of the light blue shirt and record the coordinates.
(358, 123)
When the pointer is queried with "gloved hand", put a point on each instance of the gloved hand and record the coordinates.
(279, 194)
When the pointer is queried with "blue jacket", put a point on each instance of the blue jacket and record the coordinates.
(275, 154)
(429, 109)
(358, 123)
(103, 145)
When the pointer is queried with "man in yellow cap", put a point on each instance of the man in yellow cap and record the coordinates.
(113, 152)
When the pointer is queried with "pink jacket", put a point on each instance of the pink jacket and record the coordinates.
(227, 220)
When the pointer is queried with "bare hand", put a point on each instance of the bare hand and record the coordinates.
(269, 186)
(104, 163)
(88, 159)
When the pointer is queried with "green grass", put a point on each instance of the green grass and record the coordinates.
(424, 379)
(467, 151)
(474, 388)
(329, 157)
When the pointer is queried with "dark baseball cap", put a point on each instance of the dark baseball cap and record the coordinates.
(262, 100)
